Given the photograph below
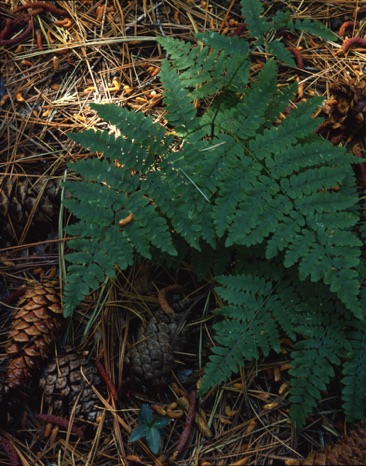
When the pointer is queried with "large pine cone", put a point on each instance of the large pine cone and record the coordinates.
(348, 450)
(27, 209)
(34, 329)
(63, 385)
(150, 359)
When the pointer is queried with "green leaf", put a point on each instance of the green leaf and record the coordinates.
(146, 415)
(253, 11)
(316, 28)
(139, 432)
(153, 439)
(277, 48)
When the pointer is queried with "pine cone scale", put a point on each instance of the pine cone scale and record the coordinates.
(32, 352)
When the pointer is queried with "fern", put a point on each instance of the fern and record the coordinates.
(354, 371)
(247, 332)
(322, 330)
(247, 191)
(260, 28)
(260, 304)
(315, 28)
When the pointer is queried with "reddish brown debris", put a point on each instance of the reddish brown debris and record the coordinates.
(18, 39)
(352, 42)
(10, 451)
(163, 300)
(61, 422)
(187, 427)
(15, 295)
(107, 379)
(240, 28)
(361, 166)
(345, 25)
(43, 5)
(298, 57)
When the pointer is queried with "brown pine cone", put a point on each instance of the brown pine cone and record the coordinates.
(150, 359)
(348, 450)
(67, 380)
(35, 326)
(346, 108)
(29, 206)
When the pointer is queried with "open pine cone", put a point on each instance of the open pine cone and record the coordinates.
(348, 450)
(66, 381)
(35, 326)
(151, 357)
(29, 206)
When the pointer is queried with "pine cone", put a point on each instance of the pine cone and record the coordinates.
(34, 329)
(346, 108)
(348, 450)
(22, 201)
(151, 359)
(66, 380)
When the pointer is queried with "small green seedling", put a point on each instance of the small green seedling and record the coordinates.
(149, 428)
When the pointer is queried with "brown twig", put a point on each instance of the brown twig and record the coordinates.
(45, 6)
(187, 427)
(61, 422)
(10, 451)
(107, 379)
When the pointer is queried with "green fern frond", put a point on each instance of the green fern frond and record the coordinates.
(297, 125)
(248, 113)
(248, 329)
(223, 63)
(315, 28)
(257, 24)
(98, 249)
(354, 375)
(278, 49)
(315, 356)
(183, 117)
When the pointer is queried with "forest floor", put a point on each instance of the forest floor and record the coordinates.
(105, 51)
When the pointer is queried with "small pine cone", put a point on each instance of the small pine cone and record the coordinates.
(67, 380)
(348, 450)
(35, 325)
(151, 359)
(22, 200)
